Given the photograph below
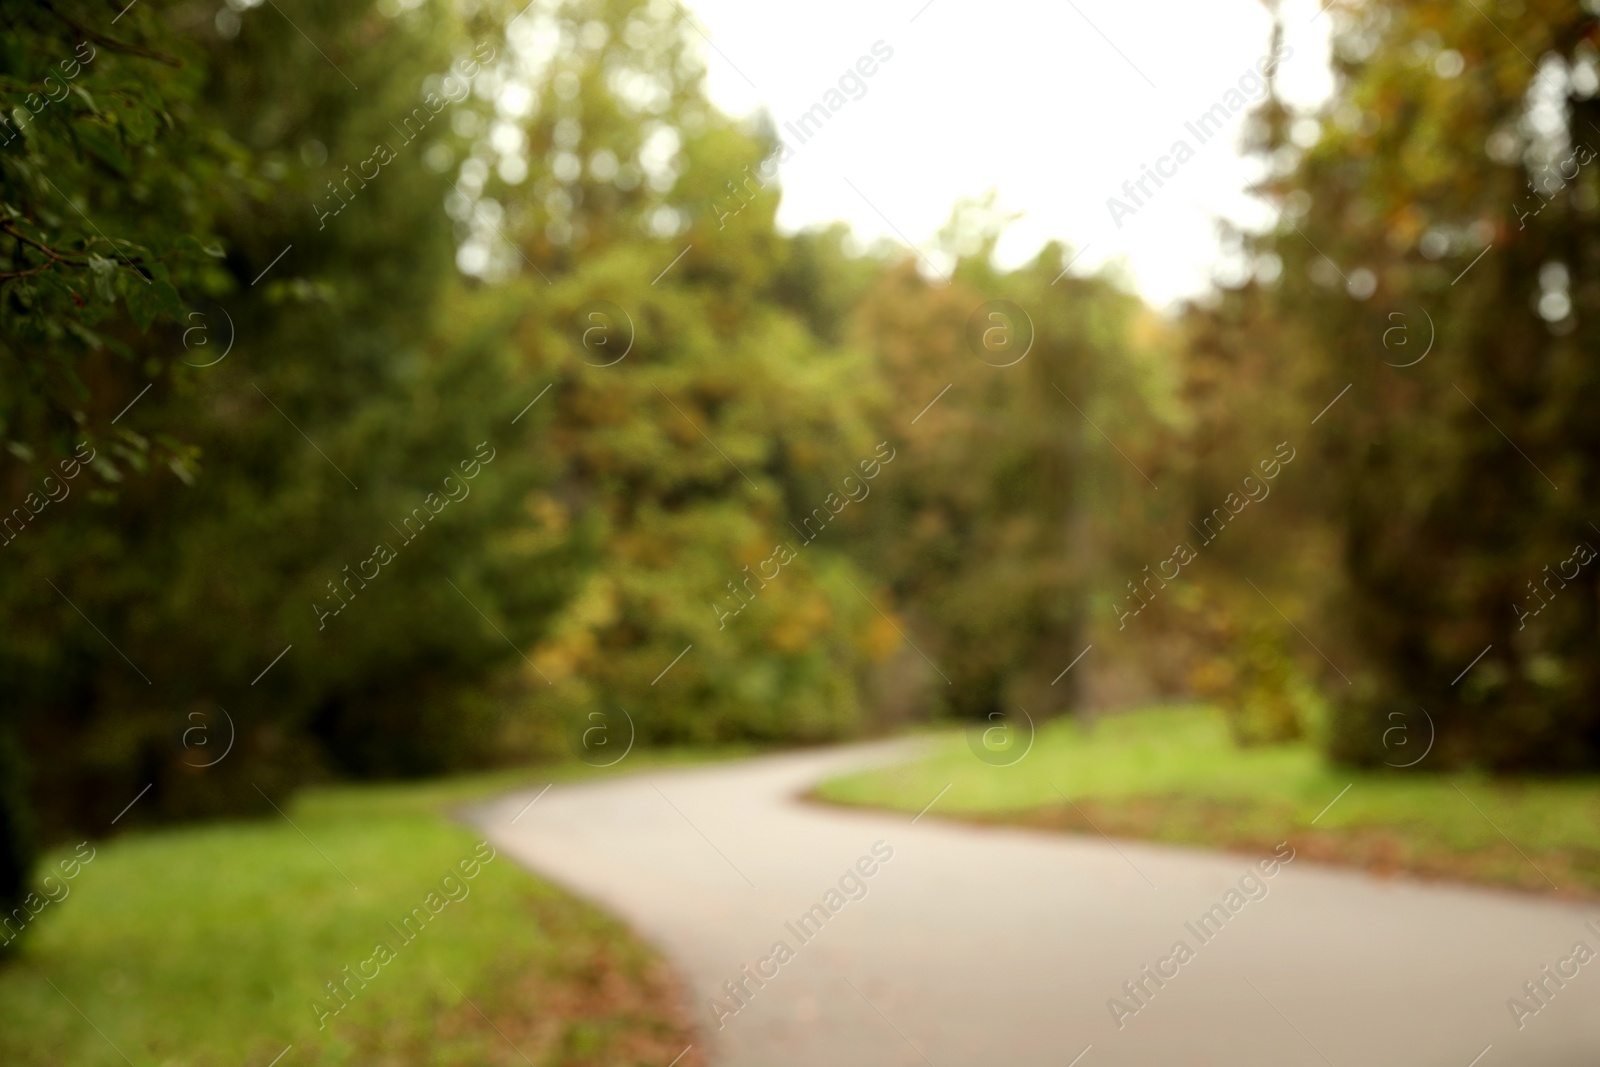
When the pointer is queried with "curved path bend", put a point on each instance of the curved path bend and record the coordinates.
(980, 947)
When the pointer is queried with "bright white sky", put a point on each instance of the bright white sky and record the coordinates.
(1025, 97)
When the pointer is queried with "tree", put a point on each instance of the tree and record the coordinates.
(152, 609)
(1445, 196)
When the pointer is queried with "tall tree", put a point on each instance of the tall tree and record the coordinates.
(1447, 197)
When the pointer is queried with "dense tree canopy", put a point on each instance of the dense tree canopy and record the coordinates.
(398, 387)
(1437, 259)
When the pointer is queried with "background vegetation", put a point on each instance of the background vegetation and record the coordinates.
(1177, 775)
(179, 523)
(235, 930)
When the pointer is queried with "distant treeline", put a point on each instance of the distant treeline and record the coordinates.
(248, 394)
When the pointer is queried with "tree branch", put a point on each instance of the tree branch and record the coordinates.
(10, 227)
(111, 42)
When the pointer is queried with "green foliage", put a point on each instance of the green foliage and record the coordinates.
(1447, 490)
(247, 552)
(235, 929)
(1247, 666)
(110, 186)
(997, 526)
(1150, 751)
(1177, 775)
(145, 604)
(393, 389)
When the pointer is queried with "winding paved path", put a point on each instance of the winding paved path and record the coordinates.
(977, 947)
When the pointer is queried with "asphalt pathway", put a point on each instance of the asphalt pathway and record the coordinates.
(955, 946)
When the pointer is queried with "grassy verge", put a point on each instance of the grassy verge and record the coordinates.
(208, 946)
(1174, 775)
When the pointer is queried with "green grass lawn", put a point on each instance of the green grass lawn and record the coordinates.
(1175, 775)
(207, 946)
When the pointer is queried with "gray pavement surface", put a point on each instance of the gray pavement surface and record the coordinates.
(1002, 948)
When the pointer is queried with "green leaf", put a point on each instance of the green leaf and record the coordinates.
(182, 470)
(138, 441)
(150, 299)
(104, 271)
(102, 144)
(105, 468)
(190, 243)
(138, 122)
